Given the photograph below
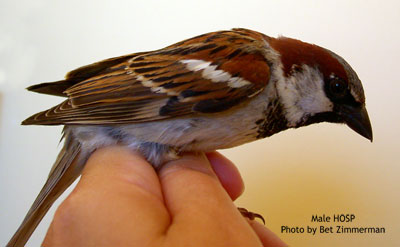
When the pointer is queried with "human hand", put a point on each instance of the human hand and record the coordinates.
(120, 200)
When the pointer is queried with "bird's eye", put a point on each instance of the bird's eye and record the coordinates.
(338, 88)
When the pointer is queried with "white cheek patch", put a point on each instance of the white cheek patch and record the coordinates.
(211, 72)
(302, 95)
(315, 103)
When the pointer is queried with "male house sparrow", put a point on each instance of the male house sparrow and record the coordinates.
(217, 90)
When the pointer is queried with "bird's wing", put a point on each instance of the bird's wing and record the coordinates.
(206, 74)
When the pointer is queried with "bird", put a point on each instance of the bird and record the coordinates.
(214, 91)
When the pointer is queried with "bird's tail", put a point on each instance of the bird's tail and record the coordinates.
(66, 169)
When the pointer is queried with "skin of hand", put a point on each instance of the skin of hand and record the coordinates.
(121, 200)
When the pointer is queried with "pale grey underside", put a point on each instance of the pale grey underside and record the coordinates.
(159, 141)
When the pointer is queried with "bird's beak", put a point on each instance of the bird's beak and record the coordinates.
(357, 119)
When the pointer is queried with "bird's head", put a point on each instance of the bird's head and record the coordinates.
(316, 85)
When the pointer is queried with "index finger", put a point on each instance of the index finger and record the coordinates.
(196, 199)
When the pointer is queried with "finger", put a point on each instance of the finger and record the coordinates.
(227, 174)
(120, 164)
(129, 179)
(266, 236)
(197, 200)
(118, 192)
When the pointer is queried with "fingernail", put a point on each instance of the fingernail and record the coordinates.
(193, 161)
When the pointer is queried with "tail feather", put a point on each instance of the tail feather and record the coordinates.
(66, 169)
(53, 88)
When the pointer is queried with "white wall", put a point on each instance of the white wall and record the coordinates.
(319, 169)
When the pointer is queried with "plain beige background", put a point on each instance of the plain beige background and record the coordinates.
(321, 169)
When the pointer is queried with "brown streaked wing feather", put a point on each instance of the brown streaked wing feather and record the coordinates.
(157, 85)
(107, 114)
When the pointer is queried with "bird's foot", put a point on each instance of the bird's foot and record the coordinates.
(250, 215)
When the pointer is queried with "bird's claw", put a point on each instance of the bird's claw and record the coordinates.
(250, 215)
